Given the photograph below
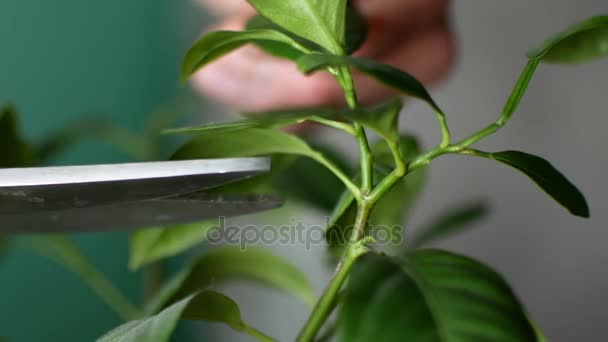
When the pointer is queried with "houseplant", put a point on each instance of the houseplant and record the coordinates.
(419, 294)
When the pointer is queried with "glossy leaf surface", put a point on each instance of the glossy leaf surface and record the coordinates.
(547, 177)
(319, 21)
(430, 296)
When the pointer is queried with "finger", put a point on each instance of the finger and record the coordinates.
(426, 55)
(224, 8)
(404, 12)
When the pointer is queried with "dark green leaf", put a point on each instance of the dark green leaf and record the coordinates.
(279, 49)
(449, 223)
(94, 128)
(205, 306)
(430, 296)
(356, 30)
(390, 76)
(232, 263)
(582, 42)
(319, 21)
(64, 252)
(311, 183)
(216, 44)
(153, 244)
(14, 151)
(547, 178)
(382, 119)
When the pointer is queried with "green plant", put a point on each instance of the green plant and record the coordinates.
(407, 293)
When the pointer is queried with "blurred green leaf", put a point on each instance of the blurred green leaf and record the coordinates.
(204, 306)
(356, 30)
(244, 143)
(309, 182)
(14, 150)
(319, 21)
(216, 44)
(583, 42)
(546, 177)
(390, 76)
(390, 213)
(93, 128)
(430, 296)
(232, 263)
(64, 252)
(154, 244)
(383, 119)
(449, 223)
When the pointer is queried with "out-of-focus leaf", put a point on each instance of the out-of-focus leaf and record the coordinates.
(449, 223)
(64, 252)
(383, 119)
(14, 150)
(390, 76)
(320, 21)
(94, 128)
(311, 183)
(244, 143)
(232, 263)
(356, 30)
(547, 177)
(204, 306)
(430, 296)
(216, 44)
(153, 244)
(583, 42)
(390, 213)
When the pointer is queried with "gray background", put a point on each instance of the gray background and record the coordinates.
(555, 262)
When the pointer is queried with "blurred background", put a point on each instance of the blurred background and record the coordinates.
(62, 60)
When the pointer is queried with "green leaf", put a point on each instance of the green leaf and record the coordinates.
(14, 150)
(309, 182)
(232, 263)
(391, 212)
(319, 21)
(204, 306)
(430, 296)
(390, 76)
(580, 43)
(356, 30)
(449, 223)
(93, 128)
(64, 252)
(154, 244)
(547, 178)
(244, 143)
(216, 44)
(278, 49)
(383, 119)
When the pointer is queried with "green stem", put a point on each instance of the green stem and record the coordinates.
(445, 131)
(335, 124)
(340, 174)
(345, 79)
(326, 304)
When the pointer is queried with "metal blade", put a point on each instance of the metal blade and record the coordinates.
(140, 214)
(28, 190)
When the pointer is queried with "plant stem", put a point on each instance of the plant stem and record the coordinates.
(326, 304)
(345, 79)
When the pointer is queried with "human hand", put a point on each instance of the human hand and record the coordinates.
(412, 35)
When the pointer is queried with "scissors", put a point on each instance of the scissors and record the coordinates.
(73, 199)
